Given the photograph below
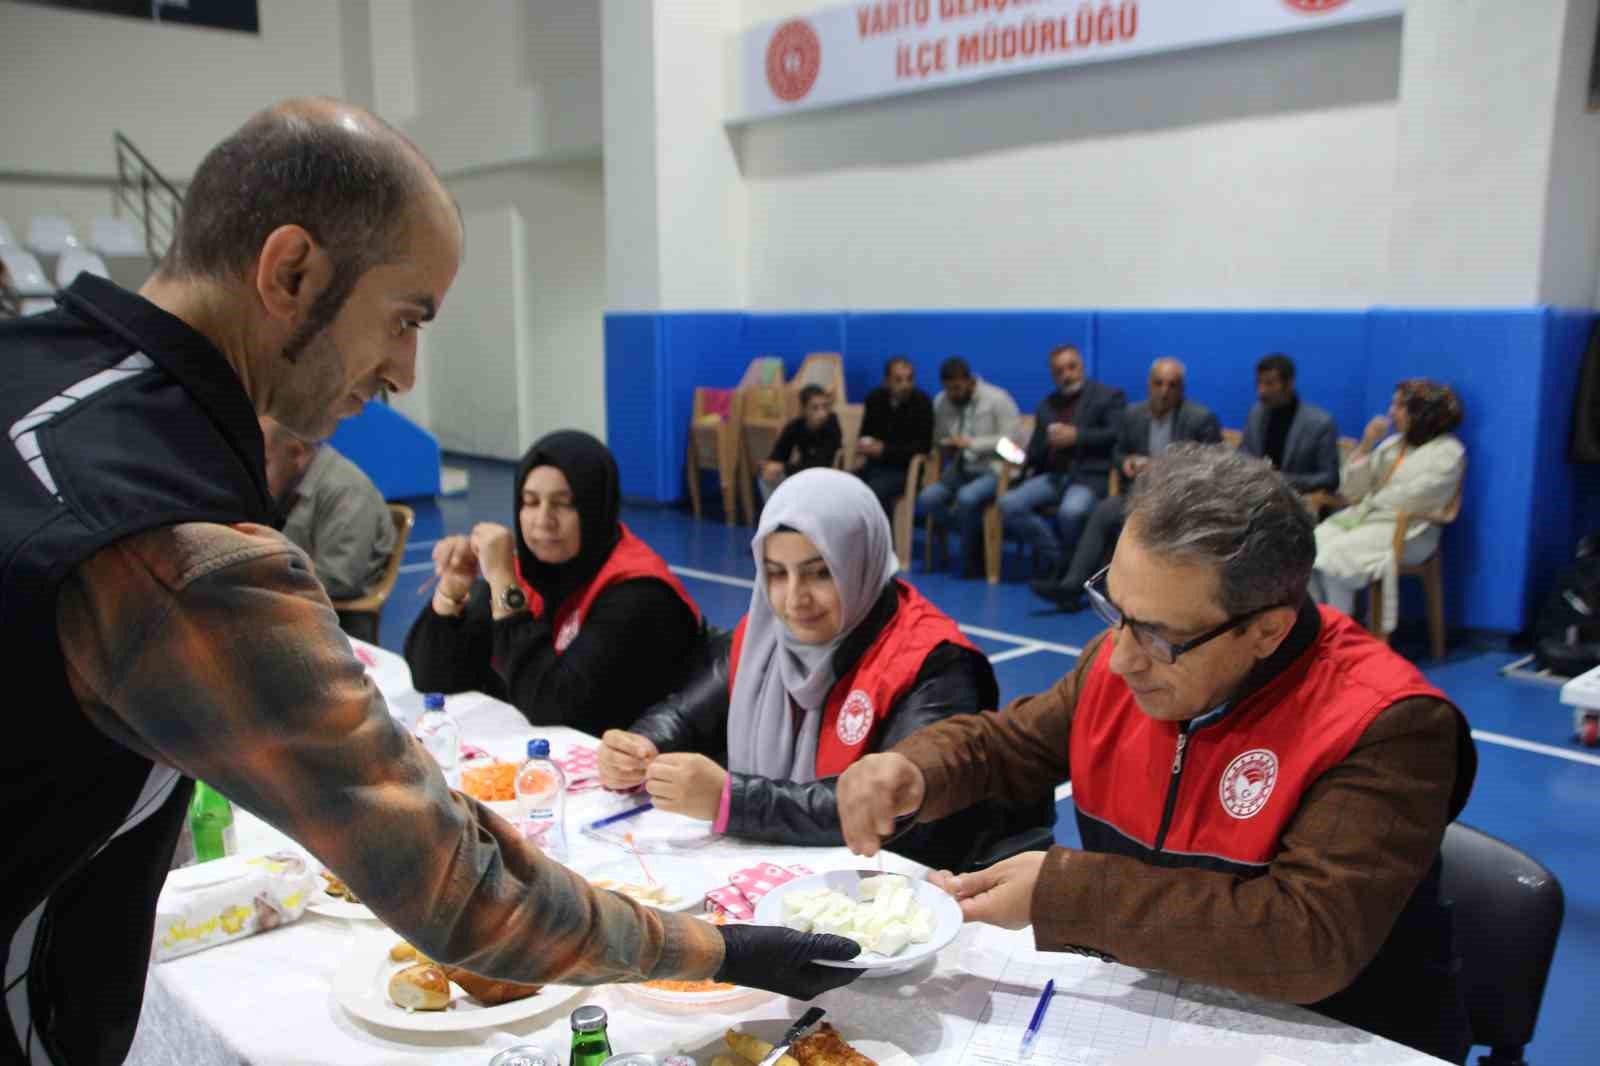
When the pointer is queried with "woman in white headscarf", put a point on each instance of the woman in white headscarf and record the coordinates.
(836, 659)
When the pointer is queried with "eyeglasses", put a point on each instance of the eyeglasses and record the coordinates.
(1154, 644)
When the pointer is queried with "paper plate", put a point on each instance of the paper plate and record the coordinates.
(362, 987)
(946, 919)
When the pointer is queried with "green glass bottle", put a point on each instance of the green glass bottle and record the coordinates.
(211, 823)
(590, 1045)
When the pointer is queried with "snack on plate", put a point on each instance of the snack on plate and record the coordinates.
(649, 895)
(337, 888)
(420, 987)
(706, 985)
(487, 990)
(884, 920)
(228, 899)
(490, 783)
(404, 952)
(826, 1047)
(753, 1049)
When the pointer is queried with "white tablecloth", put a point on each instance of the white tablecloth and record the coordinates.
(269, 999)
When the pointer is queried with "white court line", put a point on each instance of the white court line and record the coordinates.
(1063, 791)
(413, 545)
(411, 568)
(1015, 653)
(1533, 746)
(977, 631)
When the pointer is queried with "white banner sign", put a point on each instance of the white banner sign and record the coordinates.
(877, 48)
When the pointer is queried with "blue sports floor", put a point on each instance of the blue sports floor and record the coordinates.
(1535, 787)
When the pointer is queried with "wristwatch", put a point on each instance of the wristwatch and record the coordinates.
(513, 599)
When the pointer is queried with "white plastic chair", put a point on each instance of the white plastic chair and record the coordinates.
(52, 234)
(115, 236)
(27, 276)
(6, 236)
(75, 261)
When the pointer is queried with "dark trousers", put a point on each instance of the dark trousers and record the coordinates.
(888, 483)
(1096, 542)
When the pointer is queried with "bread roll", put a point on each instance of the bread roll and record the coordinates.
(402, 952)
(489, 992)
(420, 988)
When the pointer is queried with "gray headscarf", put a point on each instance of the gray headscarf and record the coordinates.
(839, 514)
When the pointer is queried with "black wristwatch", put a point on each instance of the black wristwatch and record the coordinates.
(513, 599)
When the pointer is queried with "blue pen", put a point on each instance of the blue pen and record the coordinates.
(620, 815)
(1031, 1034)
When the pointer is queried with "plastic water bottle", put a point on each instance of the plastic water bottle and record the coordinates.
(211, 824)
(542, 801)
(440, 735)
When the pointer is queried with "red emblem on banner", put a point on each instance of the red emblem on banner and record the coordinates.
(855, 718)
(1315, 7)
(1247, 783)
(794, 59)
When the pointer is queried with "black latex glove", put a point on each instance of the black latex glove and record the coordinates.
(780, 960)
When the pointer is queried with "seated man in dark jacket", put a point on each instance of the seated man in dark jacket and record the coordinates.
(860, 659)
(1300, 439)
(1069, 458)
(1261, 786)
(1168, 417)
(896, 426)
(809, 441)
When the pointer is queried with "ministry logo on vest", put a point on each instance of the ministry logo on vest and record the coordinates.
(855, 718)
(569, 632)
(1247, 783)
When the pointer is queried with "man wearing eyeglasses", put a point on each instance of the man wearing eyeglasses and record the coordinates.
(1261, 787)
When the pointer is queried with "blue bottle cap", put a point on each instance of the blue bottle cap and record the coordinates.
(433, 701)
(538, 749)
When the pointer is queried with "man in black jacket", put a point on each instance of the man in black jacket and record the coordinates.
(1074, 431)
(806, 442)
(1300, 439)
(1148, 429)
(896, 426)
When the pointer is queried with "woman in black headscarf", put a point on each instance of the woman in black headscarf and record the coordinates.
(571, 617)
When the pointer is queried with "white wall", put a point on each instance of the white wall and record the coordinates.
(1571, 257)
(71, 79)
(561, 211)
(1250, 175)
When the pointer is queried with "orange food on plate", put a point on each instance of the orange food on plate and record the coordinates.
(493, 783)
(690, 986)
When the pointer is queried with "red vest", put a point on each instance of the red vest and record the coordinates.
(632, 558)
(861, 702)
(1242, 777)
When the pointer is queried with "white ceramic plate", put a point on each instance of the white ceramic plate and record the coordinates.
(771, 1029)
(685, 881)
(720, 1000)
(362, 987)
(946, 918)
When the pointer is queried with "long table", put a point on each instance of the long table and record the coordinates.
(269, 999)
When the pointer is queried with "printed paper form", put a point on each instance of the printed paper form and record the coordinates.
(1100, 1006)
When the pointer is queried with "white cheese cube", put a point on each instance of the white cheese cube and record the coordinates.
(894, 938)
(800, 923)
(922, 926)
(870, 887)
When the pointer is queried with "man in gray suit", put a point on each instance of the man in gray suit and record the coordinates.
(1299, 439)
(1147, 430)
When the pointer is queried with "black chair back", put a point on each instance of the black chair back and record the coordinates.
(1507, 915)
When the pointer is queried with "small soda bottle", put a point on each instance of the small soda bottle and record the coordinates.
(590, 1045)
(440, 735)
(211, 824)
(541, 790)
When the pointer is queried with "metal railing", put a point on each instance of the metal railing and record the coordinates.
(154, 202)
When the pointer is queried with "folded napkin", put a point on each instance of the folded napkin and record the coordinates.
(581, 764)
(737, 900)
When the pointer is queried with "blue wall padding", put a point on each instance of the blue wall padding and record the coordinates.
(400, 457)
(1516, 370)
(1221, 349)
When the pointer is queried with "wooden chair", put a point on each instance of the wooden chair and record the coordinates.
(849, 415)
(993, 527)
(361, 616)
(818, 368)
(1430, 570)
(714, 445)
(1321, 501)
(763, 412)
